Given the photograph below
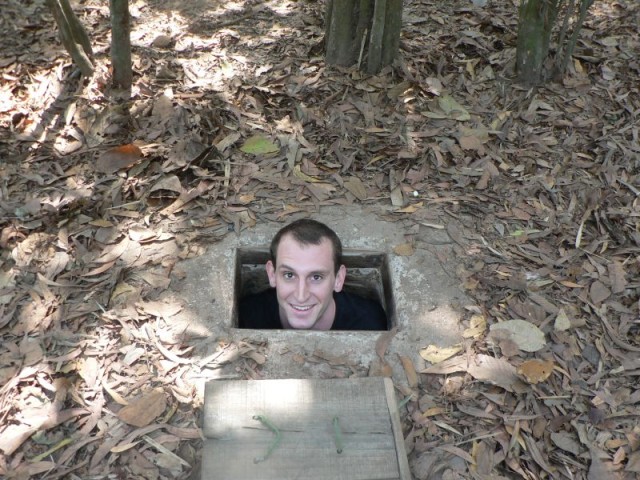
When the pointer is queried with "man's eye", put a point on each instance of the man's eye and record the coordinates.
(317, 278)
(287, 275)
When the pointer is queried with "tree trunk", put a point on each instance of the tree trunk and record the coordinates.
(534, 35)
(563, 59)
(365, 33)
(121, 43)
(73, 35)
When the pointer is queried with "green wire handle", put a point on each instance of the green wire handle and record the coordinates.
(265, 421)
(337, 435)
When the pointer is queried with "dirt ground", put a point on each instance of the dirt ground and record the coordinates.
(509, 214)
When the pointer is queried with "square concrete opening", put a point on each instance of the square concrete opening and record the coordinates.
(368, 275)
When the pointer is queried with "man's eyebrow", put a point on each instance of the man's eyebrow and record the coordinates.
(291, 269)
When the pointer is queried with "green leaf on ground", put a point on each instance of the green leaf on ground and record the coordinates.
(259, 145)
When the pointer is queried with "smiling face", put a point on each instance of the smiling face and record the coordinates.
(305, 278)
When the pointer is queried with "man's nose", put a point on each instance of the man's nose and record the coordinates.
(301, 290)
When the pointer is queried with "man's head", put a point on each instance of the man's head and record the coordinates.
(305, 269)
(308, 232)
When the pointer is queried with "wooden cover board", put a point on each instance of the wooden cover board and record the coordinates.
(303, 411)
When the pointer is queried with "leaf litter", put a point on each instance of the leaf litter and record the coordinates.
(538, 191)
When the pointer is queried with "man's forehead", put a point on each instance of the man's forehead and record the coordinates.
(290, 248)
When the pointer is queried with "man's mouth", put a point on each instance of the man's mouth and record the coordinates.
(301, 308)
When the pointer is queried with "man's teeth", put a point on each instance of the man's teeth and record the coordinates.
(301, 309)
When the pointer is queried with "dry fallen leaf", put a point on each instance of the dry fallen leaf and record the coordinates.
(497, 371)
(380, 368)
(257, 357)
(356, 187)
(536, 371)
(138, 233)
(633, 465)
(322, 191)
(31, 351)
(227, 141)
(477, 327)
(599, 292)
(303, 176)
(88, 369)
(159, 308)
(410, 371)
(117, 158)
(566, 442)
(410, 208)
(525, 334)
(617, 277)
(169, 183)
(600, 469)
(397, 198)
(482, 455)
(470, 142)
(404, 249)
(13, 436)
(433, 411)
(435, 354)
(562, 321)
(144, 410)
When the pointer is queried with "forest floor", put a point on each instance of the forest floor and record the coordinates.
(235, 119)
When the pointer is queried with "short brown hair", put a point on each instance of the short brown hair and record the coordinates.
(309, 232)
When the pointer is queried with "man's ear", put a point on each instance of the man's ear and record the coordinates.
(340, 276)
(271, 273)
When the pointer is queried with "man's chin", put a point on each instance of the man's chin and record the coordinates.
(298, 323)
